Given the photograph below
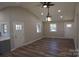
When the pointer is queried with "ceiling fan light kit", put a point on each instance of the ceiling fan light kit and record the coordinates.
(44, 6)
(48, 17)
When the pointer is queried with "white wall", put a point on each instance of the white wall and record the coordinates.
(13, 14)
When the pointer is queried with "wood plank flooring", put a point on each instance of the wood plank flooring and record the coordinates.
(46, 47)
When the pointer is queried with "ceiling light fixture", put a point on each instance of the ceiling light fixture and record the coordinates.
(48, 18)
(45, 6)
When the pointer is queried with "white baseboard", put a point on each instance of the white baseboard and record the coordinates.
(57, 37)
(13, 49)
(32, 41)
(28, 43)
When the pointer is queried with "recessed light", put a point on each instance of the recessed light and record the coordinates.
(59, 11)
(42, 13)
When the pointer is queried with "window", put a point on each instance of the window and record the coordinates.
(68, 25)
(18, 27)
(53, 27)
(38, 27)
(5, 29)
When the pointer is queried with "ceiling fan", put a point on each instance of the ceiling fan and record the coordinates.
(46, 4)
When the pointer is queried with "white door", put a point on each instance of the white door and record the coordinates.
(18, 31)
(68, 30)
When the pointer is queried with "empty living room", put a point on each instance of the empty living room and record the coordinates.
(39, 29)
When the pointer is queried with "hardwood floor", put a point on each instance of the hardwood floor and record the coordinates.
(46, 47)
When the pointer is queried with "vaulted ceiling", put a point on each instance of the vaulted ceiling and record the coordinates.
(67, 9)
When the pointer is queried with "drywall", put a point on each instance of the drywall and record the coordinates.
(15, 14)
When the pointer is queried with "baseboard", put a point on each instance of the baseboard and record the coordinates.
(32, 41)
(13, 49)
(28, 43)
(57, 37)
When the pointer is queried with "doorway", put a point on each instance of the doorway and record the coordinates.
(18, 34)
(68, 30)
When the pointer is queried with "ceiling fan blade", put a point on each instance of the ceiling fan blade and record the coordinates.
(48, 2)
(44, 3)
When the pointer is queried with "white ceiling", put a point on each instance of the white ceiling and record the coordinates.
(67, 9)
